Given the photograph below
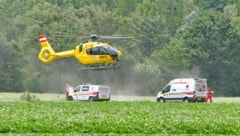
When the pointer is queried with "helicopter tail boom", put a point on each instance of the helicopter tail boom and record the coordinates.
(47, 54)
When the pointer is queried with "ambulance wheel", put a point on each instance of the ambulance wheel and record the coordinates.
(70, 98)
(91, 99)
(185, 99)
(160, 99)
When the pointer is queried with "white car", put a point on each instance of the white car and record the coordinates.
(90, 92)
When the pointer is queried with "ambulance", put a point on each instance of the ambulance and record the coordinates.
(90, 92)
(184, 89)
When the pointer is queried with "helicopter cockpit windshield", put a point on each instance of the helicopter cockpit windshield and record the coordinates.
(102, 50)
(111, 50)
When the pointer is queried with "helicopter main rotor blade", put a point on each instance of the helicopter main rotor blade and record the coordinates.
(93, 36)
(115, 37)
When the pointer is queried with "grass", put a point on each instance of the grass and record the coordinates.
(131, 117)
(124, 115)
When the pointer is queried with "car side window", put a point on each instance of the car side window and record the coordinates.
(85, 88)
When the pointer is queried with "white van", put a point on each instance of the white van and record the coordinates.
(90, 92)
(186, 90)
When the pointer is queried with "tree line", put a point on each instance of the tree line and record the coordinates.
(171, 39)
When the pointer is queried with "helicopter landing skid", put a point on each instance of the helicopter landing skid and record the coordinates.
(102, 67)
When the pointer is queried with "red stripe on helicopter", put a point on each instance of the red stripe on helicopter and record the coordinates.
(42, 38)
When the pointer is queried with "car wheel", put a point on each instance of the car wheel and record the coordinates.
(70, 98)
(91, 99)
(186, 100)
(160, 99)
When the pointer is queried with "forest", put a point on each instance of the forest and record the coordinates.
(170, 39)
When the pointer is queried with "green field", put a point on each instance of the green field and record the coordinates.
(60, 117)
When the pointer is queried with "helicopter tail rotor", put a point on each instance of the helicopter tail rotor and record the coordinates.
(46, 54)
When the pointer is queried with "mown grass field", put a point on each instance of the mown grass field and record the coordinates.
(141, 117)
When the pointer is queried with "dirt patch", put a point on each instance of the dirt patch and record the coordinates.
(61, 97)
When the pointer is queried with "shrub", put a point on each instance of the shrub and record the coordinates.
(28, 97)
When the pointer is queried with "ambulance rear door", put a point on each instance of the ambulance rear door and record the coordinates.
(201, 89)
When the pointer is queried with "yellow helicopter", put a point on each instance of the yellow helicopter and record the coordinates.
(96, 55)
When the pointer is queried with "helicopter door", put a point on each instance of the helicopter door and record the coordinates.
(103, 54)
(99, 54)
(102, 51)
(97, 51)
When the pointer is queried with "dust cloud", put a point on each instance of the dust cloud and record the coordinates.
(63, 71)
(121, 81)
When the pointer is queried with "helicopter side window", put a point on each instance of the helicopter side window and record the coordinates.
(80, 48)
(102, 51)
(95, 51)
(89, 51)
